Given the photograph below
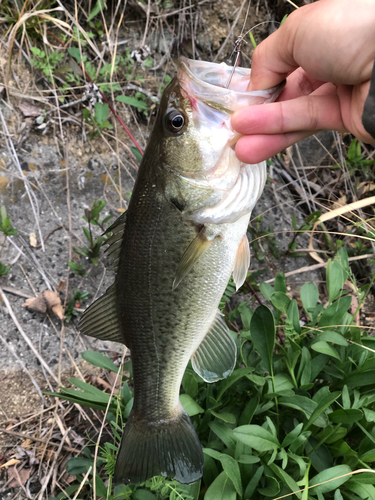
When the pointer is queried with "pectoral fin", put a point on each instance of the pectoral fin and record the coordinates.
(242, 263)
(197, 247)
(216, 356)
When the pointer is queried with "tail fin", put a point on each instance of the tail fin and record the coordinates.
(168, 448)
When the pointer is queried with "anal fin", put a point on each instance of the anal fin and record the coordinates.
(216, 356)
(100, 320)
(242, 263)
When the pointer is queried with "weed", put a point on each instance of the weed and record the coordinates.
(98, 121)
(92, 217)
(7, 230)
(75, 301)
(298, 410)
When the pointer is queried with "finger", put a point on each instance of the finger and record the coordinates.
(298, 84)
(256, 148)
(273, 59)
(313, 112)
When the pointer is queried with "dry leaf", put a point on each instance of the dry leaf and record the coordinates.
(46, 301)
(26, 444)
(13, 461)
(20, 479)
(33, 241)
(29, 109)
(61, 286)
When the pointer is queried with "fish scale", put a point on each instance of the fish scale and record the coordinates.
(175, 249)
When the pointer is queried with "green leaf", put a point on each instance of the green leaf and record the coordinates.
(337, 273)
(254, 481)
(78, 465)
(333, 476)
(101, 112)
(325, 348)
(136, 153)
(267, 290)
(96, 9)
(257, 437)
(332, 336)
(99, 360)
(221, 489)
(309, 296)
(141, 494)
(359, 379)
(364, 491)
(286, 479)
(225, 433)
(232, 470)
(345, 416)
(75, 53)
(190, 406)
(225, 416)
(262, 329)
(132, 101)
(280, 285)
(323, 404)
(236, 375)
(272, 487)
(293, 315)
(280, 301)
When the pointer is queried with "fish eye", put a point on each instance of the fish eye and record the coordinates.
(175, 121)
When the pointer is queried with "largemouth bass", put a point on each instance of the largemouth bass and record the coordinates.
(175, 249)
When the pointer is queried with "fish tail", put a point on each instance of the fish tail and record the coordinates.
(169, 447)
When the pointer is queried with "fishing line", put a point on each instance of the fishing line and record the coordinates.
(238, 45)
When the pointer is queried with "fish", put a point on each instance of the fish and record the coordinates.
(174, 250)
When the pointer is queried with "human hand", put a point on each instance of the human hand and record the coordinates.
(328, 50)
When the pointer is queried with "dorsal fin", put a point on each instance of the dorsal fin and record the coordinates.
(100, 320)
(115, 241)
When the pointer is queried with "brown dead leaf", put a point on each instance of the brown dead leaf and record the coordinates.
(61, 285)
(46, 301)
(26, 444)
(13, 461)
(29, 109)
(19, 477)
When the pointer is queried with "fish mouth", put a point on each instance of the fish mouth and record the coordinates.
(207, 81)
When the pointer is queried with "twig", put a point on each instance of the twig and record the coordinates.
(254, 292)
(38, 440)
(82, 483)
(319, 266)
(46, 479)
(51, 232)
(25, 337)
(230, 31)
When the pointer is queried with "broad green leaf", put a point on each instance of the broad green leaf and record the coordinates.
(262, 329)
(236, 375)
(254, 481)
(132, 101)
(336, 312)
(101, 489)
(190, 406)
(221, 489)
(359, 379)
(309, 296)
(280, 301)
(304, 371)
(248, 459)
(345, 416)
(272, 487)
(336, 476)
(293, 315)
(337, 273)
(369, 414)
(289, 438)
(225, 416)
(249, 411)
(101, 112)
(225, 433)
(362, 490)
(334, 337)
(267, 290)
(99, 360)
(280, 285)
(232, 470)
(141, 494)
(323, 404)
(325, 348)
(286, 479)
(78, 465)
(257, 437)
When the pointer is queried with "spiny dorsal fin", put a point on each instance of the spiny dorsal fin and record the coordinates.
(100, 320)
(115, 241)
(242, 263)
(216, 356)
(192, 254)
